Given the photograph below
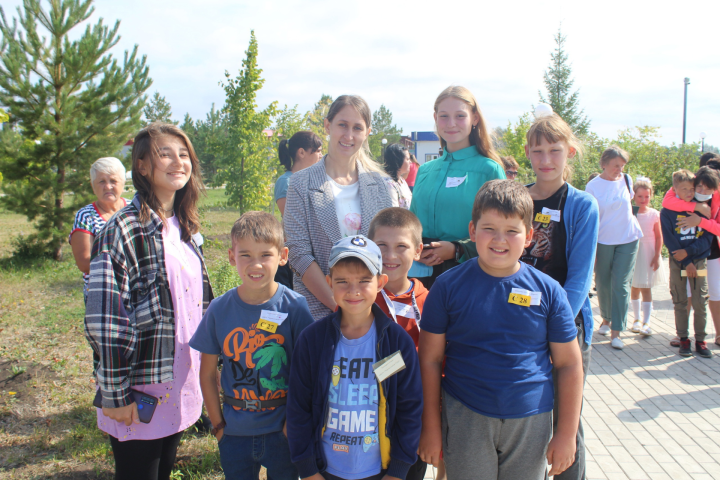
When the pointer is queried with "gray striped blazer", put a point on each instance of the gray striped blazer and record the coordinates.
(311, 224)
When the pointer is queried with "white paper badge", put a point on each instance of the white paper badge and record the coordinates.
(554, 214)
(388, 366)
(534, 296)
(453, 182)
(403, 310)
(271, 316)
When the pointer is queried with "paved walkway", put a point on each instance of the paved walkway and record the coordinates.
(649, 413)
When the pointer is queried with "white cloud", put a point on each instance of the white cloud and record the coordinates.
(629, 58)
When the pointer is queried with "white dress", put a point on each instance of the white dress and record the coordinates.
(644, 276)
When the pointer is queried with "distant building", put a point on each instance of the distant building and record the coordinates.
(126, 149)
(427, 146)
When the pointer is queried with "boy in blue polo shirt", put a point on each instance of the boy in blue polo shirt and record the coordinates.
(497, 322)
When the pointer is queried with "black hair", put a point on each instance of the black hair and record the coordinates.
(707, 176)
(287, 149)
(707, 156)
(394, 158)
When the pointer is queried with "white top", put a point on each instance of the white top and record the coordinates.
(647, 222)
(400, 194)
(618, 225)
(347, 207)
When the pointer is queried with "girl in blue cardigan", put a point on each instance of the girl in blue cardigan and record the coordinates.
(565, 223)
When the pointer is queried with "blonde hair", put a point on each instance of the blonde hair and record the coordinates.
(645, 183)
(613, 151)
(554, 129)
(681, 176)
(360, 105)
(480, 136)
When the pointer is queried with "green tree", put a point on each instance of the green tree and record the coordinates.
(244, 158)
(383, 127)
(206, 136)
(3, 118)
(558, 83)
(315, 119)
(289, 121)
(158, 110)
(512, 143)
(72, 102)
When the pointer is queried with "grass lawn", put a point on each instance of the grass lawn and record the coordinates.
(47, 423)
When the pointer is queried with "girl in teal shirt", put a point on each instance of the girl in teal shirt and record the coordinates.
(445, 188)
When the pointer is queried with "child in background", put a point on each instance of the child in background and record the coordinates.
(707, 205)
(398, 233)
(648, 273)
(349, 416)
(497, 321)
(689, 249)
(255, 328)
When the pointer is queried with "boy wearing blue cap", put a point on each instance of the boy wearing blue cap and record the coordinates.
(355, 396)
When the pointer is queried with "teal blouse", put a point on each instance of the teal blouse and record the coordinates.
(443, 202)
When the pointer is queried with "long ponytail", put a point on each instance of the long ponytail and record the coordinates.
(287, 148)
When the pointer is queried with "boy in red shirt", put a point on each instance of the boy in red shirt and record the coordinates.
(398, 233)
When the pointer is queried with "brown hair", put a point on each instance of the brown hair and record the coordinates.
(683, 176)
(480, 135)
(360, 105)
(185, 205)
(643, 183)
(554, 129)
(262, 227)
(509, 162)
(507, 197)
(592, 176)
(396, 217)
(708, 177)
(613, 151)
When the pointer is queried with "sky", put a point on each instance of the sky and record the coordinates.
(628, 57)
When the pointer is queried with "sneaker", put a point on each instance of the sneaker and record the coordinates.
(617, 343)
(636, 327)
(604, 329)
(645, 330)
(685, 348)
(702, 349)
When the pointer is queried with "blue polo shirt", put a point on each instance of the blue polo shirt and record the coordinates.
(497, 354)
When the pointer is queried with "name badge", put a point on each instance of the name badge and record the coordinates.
(403, 310)
(388, 366)
(542, 218)
(271, 320)
(525, 298)
(453, 182)
(554, 214)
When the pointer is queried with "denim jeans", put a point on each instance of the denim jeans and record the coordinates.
(242, 457)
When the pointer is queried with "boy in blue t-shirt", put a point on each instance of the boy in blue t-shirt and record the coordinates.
(497, 322)
(254, 327)
(349, 415)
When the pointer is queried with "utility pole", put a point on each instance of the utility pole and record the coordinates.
(687, 82)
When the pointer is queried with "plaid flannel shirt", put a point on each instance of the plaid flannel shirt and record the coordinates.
(129, 316)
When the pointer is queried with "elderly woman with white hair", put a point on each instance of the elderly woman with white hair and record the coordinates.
(107, 177)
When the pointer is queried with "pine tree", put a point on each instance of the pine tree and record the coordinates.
(558, 84)
(158, 110)
(245, 160)
(71, 102)
(382, 127)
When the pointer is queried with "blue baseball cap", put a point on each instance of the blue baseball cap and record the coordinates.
(358, 246)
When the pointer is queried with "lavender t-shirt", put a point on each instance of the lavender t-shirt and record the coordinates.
(181, 399)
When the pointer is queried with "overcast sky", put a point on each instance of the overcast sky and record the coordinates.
(629, 58)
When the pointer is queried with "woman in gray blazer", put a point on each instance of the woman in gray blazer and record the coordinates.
(335, 198)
